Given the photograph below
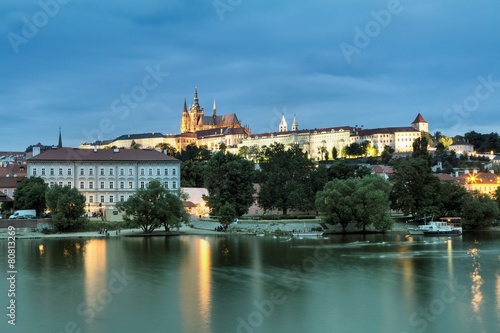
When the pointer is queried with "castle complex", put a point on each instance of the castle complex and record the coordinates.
(214, 130)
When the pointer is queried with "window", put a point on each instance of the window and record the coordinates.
(91, 198)
(165, 185)
(70, 184)
(142, 172)
(158, 172)
(60, 172)
(174, 184)
(5, 191)
(122, 172)
(91, 172)
(142, 184)
(51, 184)
(81, 185)
(111, 198)
(130, 172)
(166, 172)
(150, 172)
(51, 172)
(102, 198)
(60, 184)
(82, 172)
(122, 184)
(122, 198)
(173, 172)
(102, 172)
(111, 172)
(34, 171)
(102, 184)
(43, 171)
(69, 171)
(129, 184)
(111, 184)
(91, 184)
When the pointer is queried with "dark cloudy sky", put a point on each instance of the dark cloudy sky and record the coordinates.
(100, 69)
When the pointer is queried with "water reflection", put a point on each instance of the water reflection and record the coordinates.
(196, 284)
(477, 281)
(94, 269)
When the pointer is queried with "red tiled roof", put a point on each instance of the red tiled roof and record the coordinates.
(101, 155)
(419, 119)
(10, 182)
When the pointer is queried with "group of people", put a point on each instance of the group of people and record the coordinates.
(221, 228)
(104, 231)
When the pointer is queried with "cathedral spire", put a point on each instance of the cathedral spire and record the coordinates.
(59, 144)
(185, 107)
(196, 105)
(214, 113)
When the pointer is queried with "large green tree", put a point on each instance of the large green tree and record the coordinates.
(192, 174)
(415, 189)
(30, 194)
(152, 207)
(358, 201)
(67, 206)
(229, 179)
(480, 212)
(342, 170)
(452, 199)
(285, 179)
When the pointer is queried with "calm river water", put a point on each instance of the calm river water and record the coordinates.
(213, 284)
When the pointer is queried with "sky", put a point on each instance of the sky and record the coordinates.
(101, 69)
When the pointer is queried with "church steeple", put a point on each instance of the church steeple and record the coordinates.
(59, 144)
(283, 125)
(214, 110)
(185, 110)
(295, 125)
(196, 105)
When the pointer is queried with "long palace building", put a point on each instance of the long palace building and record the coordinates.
(213, 130)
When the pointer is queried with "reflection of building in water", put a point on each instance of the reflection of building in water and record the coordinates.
(95, 270)
(477, 281)
(195, 290)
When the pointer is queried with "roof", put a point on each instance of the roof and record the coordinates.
(4, 197)
(306, 131)
(76, 154)
(10, 182)
(419, 119)
(224, 119)
(13, 169)
(462, 143)
(386, 130)
(220, 131)
(139, 136)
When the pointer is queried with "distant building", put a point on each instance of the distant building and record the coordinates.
(105, 176)
(482, 182)
(462, 147)
(195, 205)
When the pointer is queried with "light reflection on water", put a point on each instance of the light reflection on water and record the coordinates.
(213, 284)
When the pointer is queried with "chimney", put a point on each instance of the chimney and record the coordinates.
(116, 150)
(95, 148)
(474, 171)
(36, 151)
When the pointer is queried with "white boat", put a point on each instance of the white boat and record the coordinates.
(448, 226)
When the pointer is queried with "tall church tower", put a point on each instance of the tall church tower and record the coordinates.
(191, 117)
(283, 126)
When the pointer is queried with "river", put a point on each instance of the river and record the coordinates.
(229, 283)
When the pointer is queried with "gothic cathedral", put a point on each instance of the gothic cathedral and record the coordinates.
(194, 119)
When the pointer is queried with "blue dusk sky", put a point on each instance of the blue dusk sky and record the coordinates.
(101, 69)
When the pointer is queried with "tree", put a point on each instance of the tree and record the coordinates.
(337, 203)
(135, 145)
(229, 178)
(480, 212)
(67, 206)
(195, 153)
(387, 154)
(372, 203)
(171, 151)
(335, 153)
(152, 207)
(452, 199)
(420, 148)
(284, 179)
(360, 201)
(192, 174)
(415, 189)
(227, 214)
(30, 194)
(343, 170)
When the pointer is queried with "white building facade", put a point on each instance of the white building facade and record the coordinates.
(105, 176)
